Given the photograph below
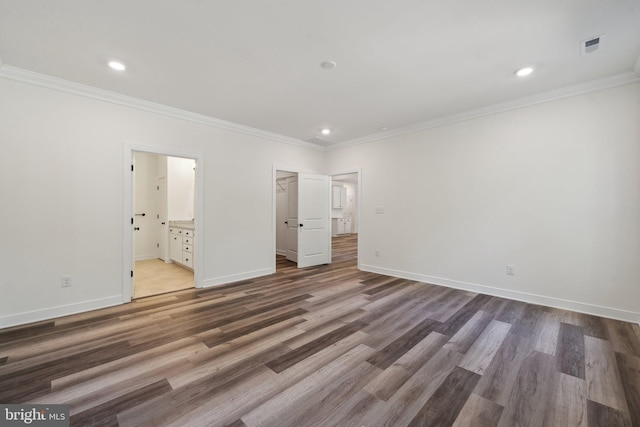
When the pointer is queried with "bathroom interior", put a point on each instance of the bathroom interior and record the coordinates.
(164, 223)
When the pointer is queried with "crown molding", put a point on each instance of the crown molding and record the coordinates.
(552, 95)
(43, 80)
(55, 83)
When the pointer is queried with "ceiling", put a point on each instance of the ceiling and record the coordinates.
(257, 63)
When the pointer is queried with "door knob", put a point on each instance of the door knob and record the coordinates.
(163, 223)
(136, 228)
(301, 225)
(286, 222)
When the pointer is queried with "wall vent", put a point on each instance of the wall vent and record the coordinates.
(591, 45)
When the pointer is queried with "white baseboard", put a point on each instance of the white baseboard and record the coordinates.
(59, 311)
(581, 307)
(282, 252)
(145, 257)
(65, 310)
(223, 280)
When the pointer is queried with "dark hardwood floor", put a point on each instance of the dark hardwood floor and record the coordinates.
(328, 346)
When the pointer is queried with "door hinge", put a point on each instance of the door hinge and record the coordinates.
(131, 221)
(131, 273)
(131, 168)
(157, 245)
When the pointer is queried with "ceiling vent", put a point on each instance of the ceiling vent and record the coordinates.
(592, 45)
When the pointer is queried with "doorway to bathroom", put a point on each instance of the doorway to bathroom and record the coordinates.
(164, 232)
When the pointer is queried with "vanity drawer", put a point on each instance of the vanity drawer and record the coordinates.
(187, 240)
(187, 232)
(187, 259)
(187, 248)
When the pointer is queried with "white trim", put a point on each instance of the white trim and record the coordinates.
(281, 252)
(127, 232)
(59, 311)
(552, 95)
(232, 278)
(127, 209)
(43, 80)
(581, 307)
(146, 257)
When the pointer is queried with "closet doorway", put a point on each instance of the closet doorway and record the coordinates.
(164, 232)
(303, 218)
(344, 217)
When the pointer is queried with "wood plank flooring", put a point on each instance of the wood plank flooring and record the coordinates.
(328, 346)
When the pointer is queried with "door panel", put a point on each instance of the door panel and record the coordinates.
(292, 219)
(314, 209)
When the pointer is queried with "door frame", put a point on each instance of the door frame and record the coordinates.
(274, 218)
(359, 215)
(127, 212)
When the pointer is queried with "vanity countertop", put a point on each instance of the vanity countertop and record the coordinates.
(182, 224)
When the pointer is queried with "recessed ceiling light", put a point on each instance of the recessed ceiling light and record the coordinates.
(522, 72)
(328, 65)
(326, 131)
(118, 66)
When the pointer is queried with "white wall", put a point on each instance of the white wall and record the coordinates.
(61, 170)
(181, 180)
(352, 202)
(553, 189)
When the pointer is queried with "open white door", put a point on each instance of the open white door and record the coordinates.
(292, 219)
(314, 214)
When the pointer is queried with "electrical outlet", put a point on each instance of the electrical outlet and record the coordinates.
(511, 270)
(66, 281)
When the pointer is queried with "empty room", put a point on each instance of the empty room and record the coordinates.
(336, 213)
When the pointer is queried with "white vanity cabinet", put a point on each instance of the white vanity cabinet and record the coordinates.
(339, 200)
(187, 247)
(175, 244)
(181, 241)
(340, 226)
